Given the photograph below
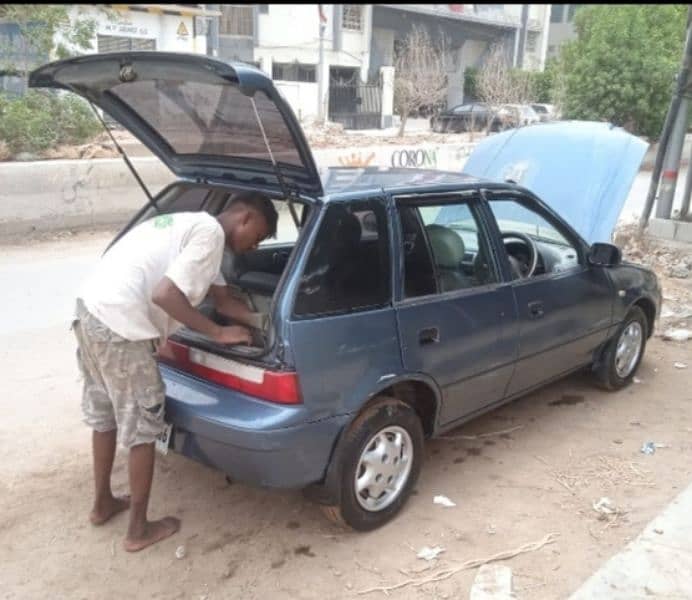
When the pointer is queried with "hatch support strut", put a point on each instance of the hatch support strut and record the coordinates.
(279, 176)
(126, 159)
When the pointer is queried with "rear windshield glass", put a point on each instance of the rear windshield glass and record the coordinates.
(213, 119)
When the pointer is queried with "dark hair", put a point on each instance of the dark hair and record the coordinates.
(262, 204)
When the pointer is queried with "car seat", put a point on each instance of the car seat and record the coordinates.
(448, 250)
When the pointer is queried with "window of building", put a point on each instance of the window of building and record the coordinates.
(117, 43)
(570, 12)
(352, 17)
(532, 41)
(294, 72)
(236, 19)
(556, 13)
(348, 269)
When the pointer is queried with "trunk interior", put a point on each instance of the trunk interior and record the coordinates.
(253, 276)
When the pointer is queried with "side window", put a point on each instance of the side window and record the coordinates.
(554, 252)
(444, 249)
(348, 268)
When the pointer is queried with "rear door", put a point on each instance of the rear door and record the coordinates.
(342, 326)
(454, 315)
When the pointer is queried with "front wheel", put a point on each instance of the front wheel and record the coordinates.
(624, 352)
(380, 458)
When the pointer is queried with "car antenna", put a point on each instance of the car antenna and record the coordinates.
(125, 158)
(279, 176)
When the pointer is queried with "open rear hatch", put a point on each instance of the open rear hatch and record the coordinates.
(207, 120)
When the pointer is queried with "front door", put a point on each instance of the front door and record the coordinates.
(454, 315)
(564, 306)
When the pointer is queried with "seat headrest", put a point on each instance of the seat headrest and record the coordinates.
(447, 246)
(344, 225)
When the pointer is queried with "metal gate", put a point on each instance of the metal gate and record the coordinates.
(354, 104)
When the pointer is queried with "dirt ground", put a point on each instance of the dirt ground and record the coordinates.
(558, 451)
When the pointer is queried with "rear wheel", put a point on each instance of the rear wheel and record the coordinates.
(380, 457)
(624, 352)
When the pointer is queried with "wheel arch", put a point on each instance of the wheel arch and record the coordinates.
(649, 309)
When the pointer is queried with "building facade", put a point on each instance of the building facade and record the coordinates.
(163, 27)
(359, 40)
(118, 27)
(561, 26)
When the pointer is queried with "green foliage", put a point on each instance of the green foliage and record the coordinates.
(543, 83)
(471, 83)
(622, 65)
(40, 120)
(44, 30)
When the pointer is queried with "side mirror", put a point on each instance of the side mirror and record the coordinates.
(604, 255)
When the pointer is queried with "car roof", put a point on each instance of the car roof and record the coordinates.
(343, 183)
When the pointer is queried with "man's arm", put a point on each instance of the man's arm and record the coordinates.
(231, 306)
(167, 295)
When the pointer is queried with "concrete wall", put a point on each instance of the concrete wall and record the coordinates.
(64, 194)
(301, 96)
(60, 194)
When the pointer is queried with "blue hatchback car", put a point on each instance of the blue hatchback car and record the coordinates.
(399, 303)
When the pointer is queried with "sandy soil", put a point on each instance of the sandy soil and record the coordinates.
(569, 445)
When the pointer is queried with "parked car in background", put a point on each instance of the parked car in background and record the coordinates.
(516, 115)
(405, 302)
(472, 116)
(546, 112)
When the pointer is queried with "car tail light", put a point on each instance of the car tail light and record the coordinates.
(274, 386)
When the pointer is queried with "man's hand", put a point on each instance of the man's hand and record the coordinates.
(230, 306)
(234, 334)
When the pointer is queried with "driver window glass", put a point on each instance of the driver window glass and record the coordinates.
(443, 249)
(555, 252)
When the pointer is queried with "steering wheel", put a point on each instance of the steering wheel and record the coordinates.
(524, 271)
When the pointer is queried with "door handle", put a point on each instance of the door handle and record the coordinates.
(536, 309)
(430, 335)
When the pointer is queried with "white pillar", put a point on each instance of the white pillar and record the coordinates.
(387, 78)
(545, 32)
(266, 64)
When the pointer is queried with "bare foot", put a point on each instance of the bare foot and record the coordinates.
(154, 531)
(99, 515)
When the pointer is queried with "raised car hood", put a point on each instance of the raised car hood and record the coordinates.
(583, 170)
(206, 119)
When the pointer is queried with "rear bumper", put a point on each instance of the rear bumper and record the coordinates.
(252, 441)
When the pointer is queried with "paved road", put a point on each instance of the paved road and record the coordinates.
(250, 543)
(37, 288)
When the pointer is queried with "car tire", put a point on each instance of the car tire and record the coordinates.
(624, 352)
(386, 421)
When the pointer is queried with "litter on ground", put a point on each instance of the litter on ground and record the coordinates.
(444, 501)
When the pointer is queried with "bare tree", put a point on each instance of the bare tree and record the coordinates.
(499, 84)
(420, 77)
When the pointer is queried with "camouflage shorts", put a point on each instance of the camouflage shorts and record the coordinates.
(123, 388)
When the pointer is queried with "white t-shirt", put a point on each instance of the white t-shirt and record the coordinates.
(185, 247)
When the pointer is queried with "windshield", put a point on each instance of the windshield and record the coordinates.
(512, 216)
